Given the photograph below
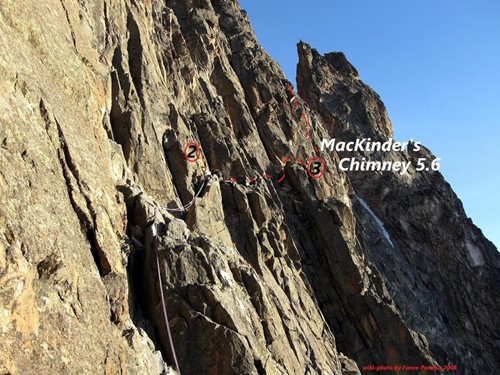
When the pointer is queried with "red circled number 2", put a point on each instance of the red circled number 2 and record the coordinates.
(192, 152)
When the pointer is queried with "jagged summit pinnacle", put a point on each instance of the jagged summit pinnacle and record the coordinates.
(337, 60)
(332, 78)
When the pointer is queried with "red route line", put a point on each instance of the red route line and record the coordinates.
(306, 120)
(295, 103)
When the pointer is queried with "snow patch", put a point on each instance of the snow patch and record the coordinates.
(475, 254)
(377, 220)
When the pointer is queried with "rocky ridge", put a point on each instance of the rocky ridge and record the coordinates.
(437, 263)
(98, 101)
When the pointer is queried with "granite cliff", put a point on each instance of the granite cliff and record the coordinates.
(155, 161)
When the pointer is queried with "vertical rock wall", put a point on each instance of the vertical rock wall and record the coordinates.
(440, 269)
(269, 271)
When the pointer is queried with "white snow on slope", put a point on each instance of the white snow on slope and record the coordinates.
(377, 220)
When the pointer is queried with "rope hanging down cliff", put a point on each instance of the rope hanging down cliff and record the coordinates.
(206, 181)
(163, 303)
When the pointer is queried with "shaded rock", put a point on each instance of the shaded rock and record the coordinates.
(413, 227)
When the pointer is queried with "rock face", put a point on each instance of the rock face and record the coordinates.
(263, 268)
(439, 267)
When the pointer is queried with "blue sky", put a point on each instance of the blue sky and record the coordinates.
(436, 65)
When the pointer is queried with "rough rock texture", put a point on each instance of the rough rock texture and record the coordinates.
(98, 100)
(442, 272)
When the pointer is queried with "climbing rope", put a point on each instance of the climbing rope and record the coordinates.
(188, 205)
(208, 175)
(164, 305)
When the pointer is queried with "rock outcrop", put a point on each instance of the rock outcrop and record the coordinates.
(107, 224)
(439, 267)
